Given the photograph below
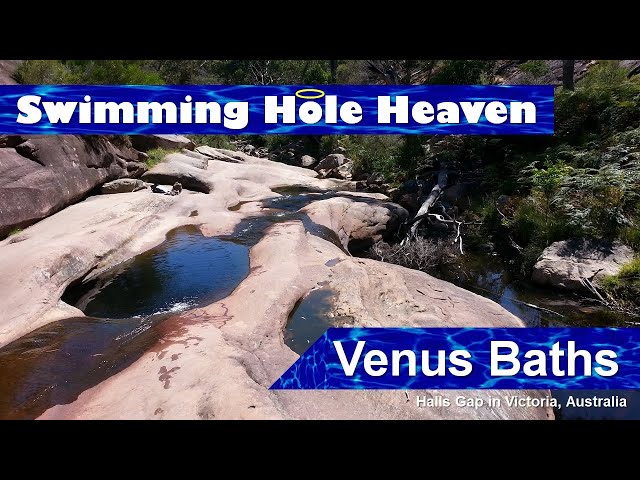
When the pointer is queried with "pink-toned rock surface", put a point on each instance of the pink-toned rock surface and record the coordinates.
(218, 361)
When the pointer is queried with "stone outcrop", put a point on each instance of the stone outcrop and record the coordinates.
(359, 222)
(123, 185)
(563, 264)
(42, 174)
(224, 357)
(221, 164)
(168, 142)
(330, 162)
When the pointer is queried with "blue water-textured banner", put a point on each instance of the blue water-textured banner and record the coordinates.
(469, 358)
(283, 109)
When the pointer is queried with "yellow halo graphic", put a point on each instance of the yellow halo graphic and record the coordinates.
(302, 93)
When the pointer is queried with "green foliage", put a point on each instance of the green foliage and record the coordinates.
(86, 72)
(375, 153)
(602, 202)
(156, 155)
(605, 102)
(631, 235)
(626, 284)
(535, 68)
(215, 141)
(274, 142)
(184, 72)
(15, 231)
(33, 72)
(464, 72)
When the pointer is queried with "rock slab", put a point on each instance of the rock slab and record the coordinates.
(563, 264)
(41, 174)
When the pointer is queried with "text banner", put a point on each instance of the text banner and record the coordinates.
(469, 358)
(283, 109)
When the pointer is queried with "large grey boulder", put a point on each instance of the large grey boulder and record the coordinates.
(563, 264)
(42, 174)
(168, 142)
(123, 185)
(307, 161)
(330, 162)
(358, 222)
(172, 170)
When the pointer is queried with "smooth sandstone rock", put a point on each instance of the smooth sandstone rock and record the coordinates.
(37, 264)
(46, 173)
(357, 220)
(123, 185)
(224, 357)
(168, 142)
(564, 263)
(227, 164)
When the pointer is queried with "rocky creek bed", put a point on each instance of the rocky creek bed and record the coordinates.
(217, 358)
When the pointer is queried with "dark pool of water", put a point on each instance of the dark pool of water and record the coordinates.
(126, 306)
(54, 364)
(486, 275)
(187, 270)
(310, 318)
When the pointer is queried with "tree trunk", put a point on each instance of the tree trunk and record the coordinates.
(433, 197)
(567, 74)
(333, 64)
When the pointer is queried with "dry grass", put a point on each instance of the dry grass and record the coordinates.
(420, 254)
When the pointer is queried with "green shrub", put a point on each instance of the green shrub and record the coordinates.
(156, 155)
(214, 141)
(605, 101)
(15, 231)
(626, 284)
(535, 68)
(464, 72)
(34, 72)
(631, 236)
(375, 153)
(124, 72)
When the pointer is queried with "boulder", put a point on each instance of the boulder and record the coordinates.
(170, 172)
(11, 141)
(330, 162)
(45, 173)
(357, 221)
(123, 185)
(168, 142)
(344, 171)
(216, 154)
(564, 263)
(307, 161)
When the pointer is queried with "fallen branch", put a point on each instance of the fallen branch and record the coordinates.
(433, 197)
(514, 244)
(589, 285)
